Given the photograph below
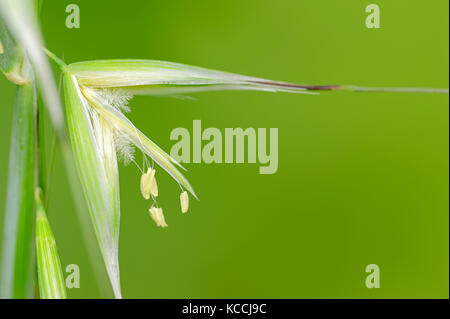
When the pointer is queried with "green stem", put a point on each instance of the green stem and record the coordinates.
(18, 251)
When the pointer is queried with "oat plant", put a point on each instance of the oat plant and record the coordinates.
(94, 134)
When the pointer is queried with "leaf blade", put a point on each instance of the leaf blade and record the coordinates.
(17, 260)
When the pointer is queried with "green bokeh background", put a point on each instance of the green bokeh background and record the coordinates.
(362, 178)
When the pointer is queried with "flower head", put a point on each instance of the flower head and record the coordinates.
(97, 95)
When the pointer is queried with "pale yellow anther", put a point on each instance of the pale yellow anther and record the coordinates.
(158, 216)
(148, 184)
(145, 184)
(184, 201)
(1, 48)
(153, 184)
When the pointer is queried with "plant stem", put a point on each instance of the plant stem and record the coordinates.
(17, 266)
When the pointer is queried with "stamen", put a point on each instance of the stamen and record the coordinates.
(148, 184)
(145, 184)
(157, 215)
(184, 201)
(153, 184)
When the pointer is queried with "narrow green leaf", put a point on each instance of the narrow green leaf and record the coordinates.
(17, 262)
(51, 279)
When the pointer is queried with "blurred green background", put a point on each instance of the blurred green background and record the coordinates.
(362, 178)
